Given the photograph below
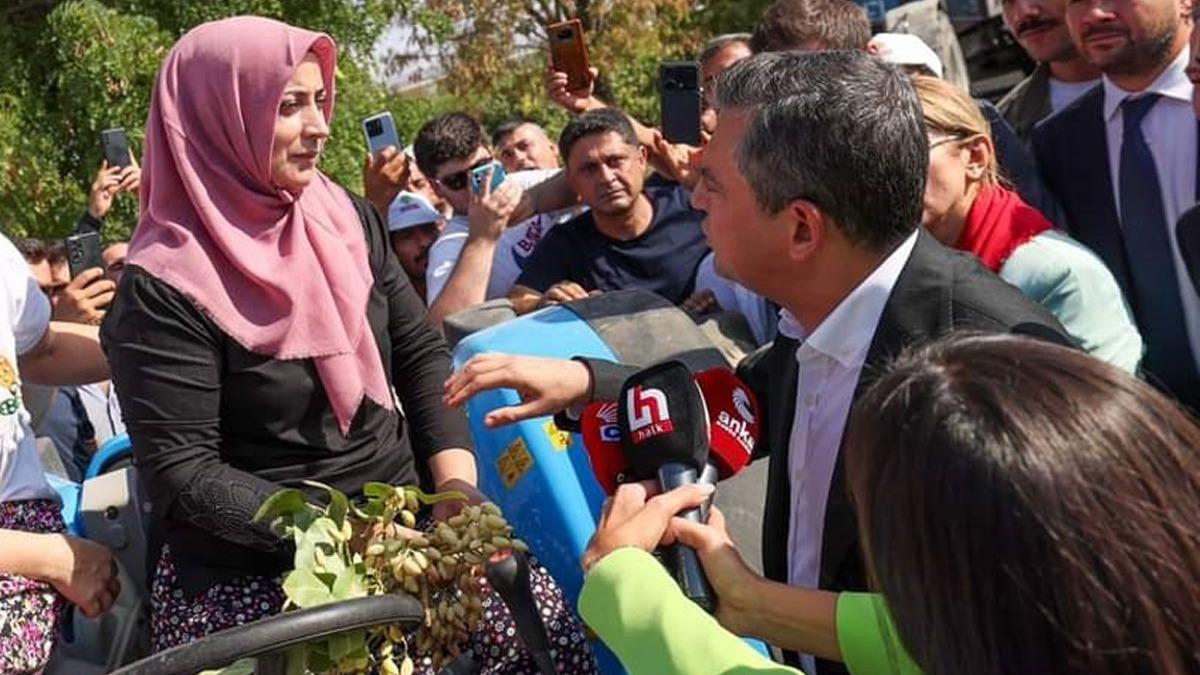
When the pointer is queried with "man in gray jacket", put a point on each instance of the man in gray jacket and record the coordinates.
(1061, 76)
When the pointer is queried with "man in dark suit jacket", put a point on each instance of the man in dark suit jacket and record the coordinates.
(1123, 162)
(812, 185)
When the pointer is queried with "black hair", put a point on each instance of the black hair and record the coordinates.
(840, 129)
(811, 25)
(446, 138)
(1028, 508)
(592, 122)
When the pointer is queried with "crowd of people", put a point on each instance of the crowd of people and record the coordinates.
(979, 370)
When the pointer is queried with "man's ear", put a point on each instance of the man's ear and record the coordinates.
(808, 228)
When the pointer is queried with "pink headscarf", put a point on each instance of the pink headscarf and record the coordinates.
(284, 276)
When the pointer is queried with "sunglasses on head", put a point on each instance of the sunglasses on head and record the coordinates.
(458, 180)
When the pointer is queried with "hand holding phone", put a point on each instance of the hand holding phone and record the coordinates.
(680, 96)
(380, 131)
(569, 54)
(479, 175)
(116, 147)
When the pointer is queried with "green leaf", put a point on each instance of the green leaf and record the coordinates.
(349, 585)
(318, 660)
(240, 667)
(339, 505)
(428, 499)
(285, 502)
(297, 660)
(346, 644)
(305, 590)
(377, 490)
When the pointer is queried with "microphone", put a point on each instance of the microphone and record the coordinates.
(602, 440)
(733, 432)
(664, 432)
(733, 416)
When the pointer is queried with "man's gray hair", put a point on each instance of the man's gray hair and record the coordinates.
(715, 45)
(840, 129)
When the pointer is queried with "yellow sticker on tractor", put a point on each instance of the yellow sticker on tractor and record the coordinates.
(559, 440)
(514, 462)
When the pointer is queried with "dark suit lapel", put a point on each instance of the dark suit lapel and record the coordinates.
(917, 310)
(1084, 158)
(781, 398)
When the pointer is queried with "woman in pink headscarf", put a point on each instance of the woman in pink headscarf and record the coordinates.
(263, 335)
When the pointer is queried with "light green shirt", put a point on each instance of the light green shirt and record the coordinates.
(636, 608)
(1074, 285)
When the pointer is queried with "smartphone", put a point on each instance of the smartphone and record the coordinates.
(568, 53)
(380, 131)
(681, 100)
(83, 252)
(116, 147)
(478, 175)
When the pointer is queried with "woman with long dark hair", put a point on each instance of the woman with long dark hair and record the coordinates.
(1028, 509)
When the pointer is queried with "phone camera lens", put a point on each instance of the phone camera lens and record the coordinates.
(374, 127)
(566, 34)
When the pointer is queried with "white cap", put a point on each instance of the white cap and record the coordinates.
(410, 209)
(904, 49)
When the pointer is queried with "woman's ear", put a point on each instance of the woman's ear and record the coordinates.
(980, 154)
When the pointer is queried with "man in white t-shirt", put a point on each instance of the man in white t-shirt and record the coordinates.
(44, 352)
(1062, 74)
(483, 248)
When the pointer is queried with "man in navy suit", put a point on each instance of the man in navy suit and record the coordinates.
(1122, 160)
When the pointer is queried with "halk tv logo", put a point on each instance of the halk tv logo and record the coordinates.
(648, 414)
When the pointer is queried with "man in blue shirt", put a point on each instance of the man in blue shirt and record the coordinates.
(637, 233)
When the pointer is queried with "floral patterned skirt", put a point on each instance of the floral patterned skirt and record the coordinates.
(495, 647)
(29, 609)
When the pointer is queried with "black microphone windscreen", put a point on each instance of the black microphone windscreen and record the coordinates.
(663, 420)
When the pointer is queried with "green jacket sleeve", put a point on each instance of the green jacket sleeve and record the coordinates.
(634, 606)
(638, 611)
(867, 637)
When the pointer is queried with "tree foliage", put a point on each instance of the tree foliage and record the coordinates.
(77, 67)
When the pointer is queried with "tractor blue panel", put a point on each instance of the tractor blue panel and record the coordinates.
(68, 494)
(538, 475)
(114, 450)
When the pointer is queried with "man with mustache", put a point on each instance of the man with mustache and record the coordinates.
(1122, 160)
(1062, 75)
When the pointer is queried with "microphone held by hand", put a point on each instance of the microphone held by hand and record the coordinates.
(663, 426)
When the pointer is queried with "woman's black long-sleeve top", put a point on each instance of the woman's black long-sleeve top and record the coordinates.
(216, 429)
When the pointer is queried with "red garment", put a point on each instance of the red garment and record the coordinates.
(999, 221)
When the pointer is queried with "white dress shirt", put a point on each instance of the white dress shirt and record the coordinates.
(830, 361)
(1170, 131)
